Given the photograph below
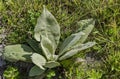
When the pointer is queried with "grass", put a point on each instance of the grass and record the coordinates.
(18, 18)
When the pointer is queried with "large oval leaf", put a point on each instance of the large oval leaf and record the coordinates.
(19, 52)
(35, 45)
(69, 42)
(47, 47)
(52, 64)
(38, 60)
(35, 71)
(86, 26)
(48, 27)
(75, 49)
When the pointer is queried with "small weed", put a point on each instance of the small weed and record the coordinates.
(11, 73)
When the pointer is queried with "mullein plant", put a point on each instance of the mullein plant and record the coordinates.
(41, 51)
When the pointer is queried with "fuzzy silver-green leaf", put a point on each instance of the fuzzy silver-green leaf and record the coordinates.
(38, 60)
(70, 41)
(47, 47)
(48, 27)
(76, 49)
(52, 64)
(18, 52)
(86, 26)
(35, 71)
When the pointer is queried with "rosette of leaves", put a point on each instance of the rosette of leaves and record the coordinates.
(41, 51)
